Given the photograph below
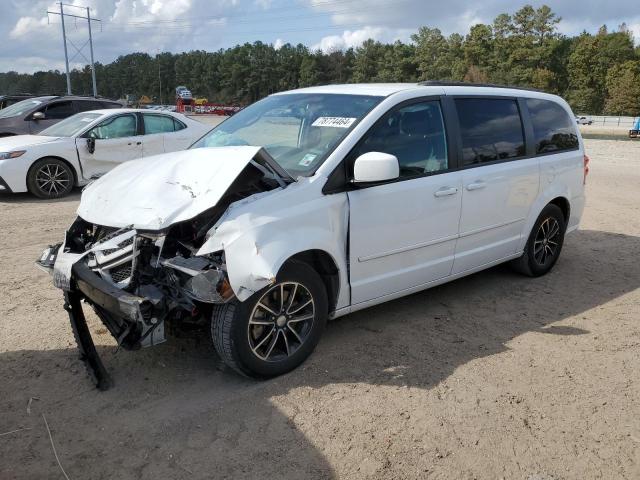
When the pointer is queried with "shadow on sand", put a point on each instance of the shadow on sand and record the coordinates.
(22, 198)
(175, 409)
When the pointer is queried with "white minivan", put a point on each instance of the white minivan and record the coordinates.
(315, 203)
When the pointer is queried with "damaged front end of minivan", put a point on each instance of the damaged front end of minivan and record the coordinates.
(151, 274)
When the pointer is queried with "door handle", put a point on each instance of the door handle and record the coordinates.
(445, 191)
(477, 185)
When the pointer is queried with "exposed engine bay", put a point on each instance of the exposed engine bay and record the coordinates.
(142, 282)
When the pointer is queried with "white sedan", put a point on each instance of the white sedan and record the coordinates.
(87, 145)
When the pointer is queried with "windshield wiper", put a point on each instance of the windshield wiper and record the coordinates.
(266, 160)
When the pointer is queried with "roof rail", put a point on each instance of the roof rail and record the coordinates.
(444, 83)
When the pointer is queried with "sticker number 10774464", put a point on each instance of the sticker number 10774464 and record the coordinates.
(336, 122)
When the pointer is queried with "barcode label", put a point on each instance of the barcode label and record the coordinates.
(336, 122)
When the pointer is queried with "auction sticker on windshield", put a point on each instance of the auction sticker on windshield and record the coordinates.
(336, 122)
(307, 159)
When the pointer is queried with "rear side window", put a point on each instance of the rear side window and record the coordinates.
(58, 110)
(553, 129)
(86, 105)
(158, 124)
(491, 129)
(178, 125)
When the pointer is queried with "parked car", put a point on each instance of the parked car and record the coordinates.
(183, 93)
(6, 100)
(35, 114)
(583, 121)
(87, 145)
(315, 203)
(635, 129)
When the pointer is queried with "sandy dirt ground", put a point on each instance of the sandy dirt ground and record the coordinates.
(492, 376)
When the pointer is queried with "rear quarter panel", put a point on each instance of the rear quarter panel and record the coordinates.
(561, 175)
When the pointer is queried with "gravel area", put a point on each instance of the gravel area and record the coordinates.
(491, 376)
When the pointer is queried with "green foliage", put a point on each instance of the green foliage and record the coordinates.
(623, 85)
(596, 73)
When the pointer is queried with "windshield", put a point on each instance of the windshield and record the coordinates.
(299, 130)
(71, 126)
(19, 108)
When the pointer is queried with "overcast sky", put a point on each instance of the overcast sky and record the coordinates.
(32, 41)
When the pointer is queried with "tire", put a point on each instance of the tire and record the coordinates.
(550, 225)
(50, 178)
(240, 331)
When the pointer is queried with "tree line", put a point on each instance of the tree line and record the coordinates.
(597, 73)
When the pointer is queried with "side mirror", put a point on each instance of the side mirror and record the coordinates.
(375, 167)
(91, 144)
(38, 116)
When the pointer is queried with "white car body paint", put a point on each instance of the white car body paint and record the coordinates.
(177, 186)
(109, 153)
(389, 258)
(260, 233)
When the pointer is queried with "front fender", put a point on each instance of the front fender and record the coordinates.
(258, 238)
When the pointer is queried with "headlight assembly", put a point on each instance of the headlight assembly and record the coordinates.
(8, 155)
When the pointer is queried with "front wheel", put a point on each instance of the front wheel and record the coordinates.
(544, 244)
(277, 328)
(50, 178)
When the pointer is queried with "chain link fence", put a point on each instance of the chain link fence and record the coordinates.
(610, 121)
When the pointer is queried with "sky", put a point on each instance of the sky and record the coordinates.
(32, 40)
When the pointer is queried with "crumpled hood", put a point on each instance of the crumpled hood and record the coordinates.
(158, 191)
(23, 141)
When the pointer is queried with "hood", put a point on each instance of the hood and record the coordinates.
(22, 141)
(158, 191)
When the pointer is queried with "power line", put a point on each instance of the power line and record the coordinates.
(243, 21)
(267, 32)
(79, 51)
(243, 14)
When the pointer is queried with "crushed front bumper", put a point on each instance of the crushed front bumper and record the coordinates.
(133, 307)
(86, 347)
(129, 318)
(117, 302)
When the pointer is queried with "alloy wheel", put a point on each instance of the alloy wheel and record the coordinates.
(52, 179)
(547, 241)
(281, 321)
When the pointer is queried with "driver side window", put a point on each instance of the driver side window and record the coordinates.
(58, 110)
(118, 127)
(415, 134)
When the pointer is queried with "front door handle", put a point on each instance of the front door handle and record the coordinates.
(445, 191)
(477, 185)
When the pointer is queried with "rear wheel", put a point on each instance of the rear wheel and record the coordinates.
(277, 328)
(544, 244)
(50, 178)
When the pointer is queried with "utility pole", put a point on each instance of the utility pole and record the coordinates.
(159, 80)
(66, 41)
(93, 68)
(66, 55)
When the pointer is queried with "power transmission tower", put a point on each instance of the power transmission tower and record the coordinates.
(79, 51)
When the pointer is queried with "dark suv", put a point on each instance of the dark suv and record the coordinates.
(35, 114)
